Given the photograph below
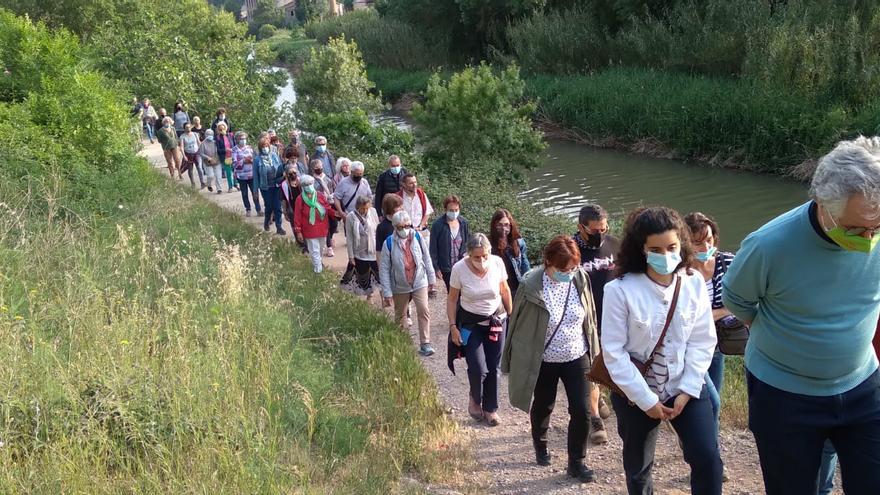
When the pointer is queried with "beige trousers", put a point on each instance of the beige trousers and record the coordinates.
(420, 298)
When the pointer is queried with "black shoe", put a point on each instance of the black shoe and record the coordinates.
(280, 231)
(265, 227)
(576, 469)
(542, 455)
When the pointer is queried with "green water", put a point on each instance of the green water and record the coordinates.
(740, 202)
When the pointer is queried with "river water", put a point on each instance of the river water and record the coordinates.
(574, 174)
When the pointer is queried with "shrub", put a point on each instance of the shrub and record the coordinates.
(479, 117)
(334, 79)
(266, 31)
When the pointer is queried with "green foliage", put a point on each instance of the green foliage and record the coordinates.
(266, 31)
(290, 50)
(310, 10)
(334, 79)
(393, 84)
(384, 41)
(265, 12)
(479, 119)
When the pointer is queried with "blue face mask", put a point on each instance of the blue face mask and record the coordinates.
(395, 170)
(704, 256)
(664, 264)
(322, 148)
(452, 215)
(564, 277)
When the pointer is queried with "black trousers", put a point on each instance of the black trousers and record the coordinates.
(695, 427)
(574, 377)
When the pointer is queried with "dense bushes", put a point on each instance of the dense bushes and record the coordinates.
(334, 79)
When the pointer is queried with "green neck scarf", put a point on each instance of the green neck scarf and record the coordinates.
(313, 206)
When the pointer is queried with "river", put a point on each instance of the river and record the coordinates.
(574, 174)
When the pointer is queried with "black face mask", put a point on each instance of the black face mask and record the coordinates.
(595, 240)
(356, 178)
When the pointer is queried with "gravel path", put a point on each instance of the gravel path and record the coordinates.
(504, 453)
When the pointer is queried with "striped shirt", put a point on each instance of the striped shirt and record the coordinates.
(722, 262)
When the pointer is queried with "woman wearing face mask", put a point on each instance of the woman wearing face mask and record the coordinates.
(552, 337)
(211, 159)
(360, 233)
(655, 290)
(344, 166)
(449, 236)
(268, 176)
(406, 273)
(390, 205)
(479, 300)
(712, 265)
(191, 142)
(243, 165)
(170, 147)
(510, 246)
(326, 185)
(311, 219)
(225, 144)
(290, 190)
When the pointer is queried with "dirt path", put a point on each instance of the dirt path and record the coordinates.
(504, 453)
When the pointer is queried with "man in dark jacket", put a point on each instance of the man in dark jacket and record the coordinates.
(389, 181)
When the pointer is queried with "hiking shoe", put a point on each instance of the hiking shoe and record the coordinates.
(598, 435)
(492, 418)
(576, 469)
(219, 191)
(604, 410)
(426, 350)
(280, 231)
(542, 455)
(210, 189)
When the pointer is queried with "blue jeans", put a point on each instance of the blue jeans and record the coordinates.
(714, 382)
(483, 356)
(791, 430)
(272, 205)
(247, 185)
(827, 469)
(151, 132)
(695, 429)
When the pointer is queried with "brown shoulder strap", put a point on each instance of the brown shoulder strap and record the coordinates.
(668, 322)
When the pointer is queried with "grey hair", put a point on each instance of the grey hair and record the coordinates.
(392, 158)
(240, 134)
(290, 168)
(400, 218)
(319, 138)
(306, 180)
(167, 120)
(209, 132)
(356, 165)
(852, 167)
(362, 200)
(478, 241)
(341, 160)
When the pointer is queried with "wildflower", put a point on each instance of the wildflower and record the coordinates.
(120, 207)
(124, 342)
(19, 318)
(4, 309)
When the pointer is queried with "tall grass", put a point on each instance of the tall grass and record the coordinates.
(385, 42)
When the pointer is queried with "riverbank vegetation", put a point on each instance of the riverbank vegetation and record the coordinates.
(155, 344)
(748, 83)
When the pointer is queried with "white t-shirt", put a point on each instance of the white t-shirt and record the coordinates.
(413, 206)
(479, 295)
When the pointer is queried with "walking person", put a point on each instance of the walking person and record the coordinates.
(598, 250)
(149, 117)
(190, 141)
(325, 156)
(389, 181)
(658, 312)
(295, 143)
(170, 147)
(181, 118)
(508, 244)
(360, 235)
(160, 121)
(415, 202)
(712, 265)
(325, 185)
(290, 190)
(268, 176)
(406, 273)
(390, 205)
(209, 156)
(478, 302)
(225, 145)
(220, 118)
(449, 237)
(806, 283)
(311, 217)
(243, 165)
(351, 187)
(551, 337)
(343, 169)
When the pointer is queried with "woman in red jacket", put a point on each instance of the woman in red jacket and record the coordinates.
(311, 219)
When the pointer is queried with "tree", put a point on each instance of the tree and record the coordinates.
(479, 120)
(266, 12)
(307, 10)
(334, 79)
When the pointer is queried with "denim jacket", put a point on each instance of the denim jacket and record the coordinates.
(520, 264)
(267, 175)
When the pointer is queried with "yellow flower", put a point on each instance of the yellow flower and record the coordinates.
(19, 317)
(4, 309)
(124, 342)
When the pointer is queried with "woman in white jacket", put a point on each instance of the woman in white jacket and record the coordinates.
(652, 267)
(360, 235)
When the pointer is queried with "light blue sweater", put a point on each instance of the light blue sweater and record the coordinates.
(814, 307)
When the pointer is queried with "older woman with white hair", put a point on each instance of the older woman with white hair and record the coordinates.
(360, 234)
(406, 272)
(343, 169)
(478, 302)
(311, 220)
(807, 282)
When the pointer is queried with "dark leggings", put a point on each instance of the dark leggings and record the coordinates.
(334, 225)
(247, 185)
(577, 388)
(483, 356)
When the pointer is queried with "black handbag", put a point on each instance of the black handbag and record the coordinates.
(733, 335)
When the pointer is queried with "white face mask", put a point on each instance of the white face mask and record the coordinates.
(481, 264)
(404, 233)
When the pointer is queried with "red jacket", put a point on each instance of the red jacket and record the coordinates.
(877, 340)
(301, 218)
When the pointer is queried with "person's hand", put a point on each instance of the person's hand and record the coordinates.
(299, 237)
(351, 262)
(431, 288)
(679, 404)
(455, 335)
(439, 275)
(386, 302)
(659, 411)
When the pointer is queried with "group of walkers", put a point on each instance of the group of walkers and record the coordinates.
(650, 316)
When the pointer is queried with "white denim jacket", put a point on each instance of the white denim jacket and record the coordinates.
(633, 314)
